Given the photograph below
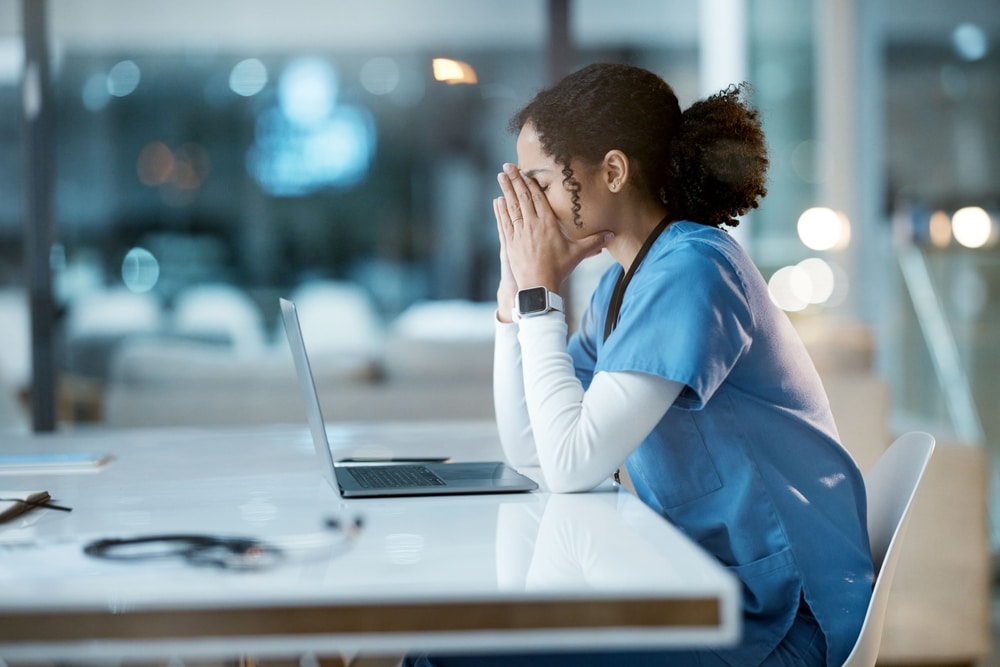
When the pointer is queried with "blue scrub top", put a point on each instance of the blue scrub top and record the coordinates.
(748, 461)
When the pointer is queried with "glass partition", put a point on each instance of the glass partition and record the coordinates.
(206, 151)
(212, 158)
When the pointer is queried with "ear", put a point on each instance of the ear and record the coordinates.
(615, 170)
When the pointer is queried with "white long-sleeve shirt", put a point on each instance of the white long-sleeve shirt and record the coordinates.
(545, 418)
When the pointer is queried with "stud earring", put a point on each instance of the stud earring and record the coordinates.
(614, 186)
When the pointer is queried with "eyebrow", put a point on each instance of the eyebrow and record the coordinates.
(534, 172)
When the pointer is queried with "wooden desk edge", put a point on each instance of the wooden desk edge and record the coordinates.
(463, 616)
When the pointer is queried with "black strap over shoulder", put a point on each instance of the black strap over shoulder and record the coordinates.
(618, 294)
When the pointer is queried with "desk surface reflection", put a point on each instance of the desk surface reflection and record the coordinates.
(467, 573)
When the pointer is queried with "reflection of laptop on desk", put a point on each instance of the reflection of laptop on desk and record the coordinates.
(391, 479)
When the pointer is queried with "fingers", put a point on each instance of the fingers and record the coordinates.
(508, 202)
(500, 213)
(538, 200)
(516, 193)
(593, 244)
(505, 226)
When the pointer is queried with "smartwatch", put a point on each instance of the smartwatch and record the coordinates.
(536, 301)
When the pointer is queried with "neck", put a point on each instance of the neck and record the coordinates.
(627, 242)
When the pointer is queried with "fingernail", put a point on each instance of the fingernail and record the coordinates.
(502, 178)
(609, 237)
(509, 168)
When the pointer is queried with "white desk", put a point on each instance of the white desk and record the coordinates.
(463, 573)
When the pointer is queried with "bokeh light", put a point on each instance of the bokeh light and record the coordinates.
(192, 166)
(821, 279)
(822, 228)
(311, 139)
(380, 76)
(123, 78)
(140, 270)
(307, 90)
(785, 288)
(248, 77)
(972, 226)
(178, 173)
(970, 41)
(453, 71)
(939, 229)
(155, 164)
(813, 281)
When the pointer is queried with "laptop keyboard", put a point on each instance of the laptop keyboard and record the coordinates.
(394, 477)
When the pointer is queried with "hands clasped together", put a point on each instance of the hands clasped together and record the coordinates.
(535, 250)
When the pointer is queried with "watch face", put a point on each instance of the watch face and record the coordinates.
(532, 300)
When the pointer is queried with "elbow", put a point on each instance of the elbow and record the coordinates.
(569, 466)
(558, 481)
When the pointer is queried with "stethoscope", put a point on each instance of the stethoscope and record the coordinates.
(229, 553)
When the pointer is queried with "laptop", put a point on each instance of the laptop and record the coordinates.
(374, 479)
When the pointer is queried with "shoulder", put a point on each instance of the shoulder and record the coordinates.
(691, 247)
(694, 236)
(703, 267)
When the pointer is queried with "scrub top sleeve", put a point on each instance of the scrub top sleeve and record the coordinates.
(685, 317)
(584, 344)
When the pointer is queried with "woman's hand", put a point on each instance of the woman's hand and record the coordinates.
(507, 291)
(532, 243)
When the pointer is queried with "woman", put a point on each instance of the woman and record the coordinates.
(681, 369)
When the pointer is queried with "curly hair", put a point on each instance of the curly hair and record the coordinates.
(707, 164)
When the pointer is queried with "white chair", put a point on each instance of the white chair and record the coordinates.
(339, 319)
(97, 321)
(115, 311)
(891, 485)
(221, 310)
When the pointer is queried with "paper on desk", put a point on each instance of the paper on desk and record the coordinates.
(51, 462)
(16, 503)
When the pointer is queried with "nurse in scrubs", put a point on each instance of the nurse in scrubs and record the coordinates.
(681, 369)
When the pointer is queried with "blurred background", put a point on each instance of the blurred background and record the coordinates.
(169, 169)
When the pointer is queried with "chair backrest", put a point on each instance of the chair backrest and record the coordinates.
(224, 310)
(338, 318)
(891, 485)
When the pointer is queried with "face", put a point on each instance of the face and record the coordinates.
(535, 163)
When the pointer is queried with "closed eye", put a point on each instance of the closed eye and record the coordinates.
(533, 174)
(543, 188)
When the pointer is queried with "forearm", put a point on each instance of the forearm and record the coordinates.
(582, 437)
(508, 398)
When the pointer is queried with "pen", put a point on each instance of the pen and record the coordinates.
(36, 503)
